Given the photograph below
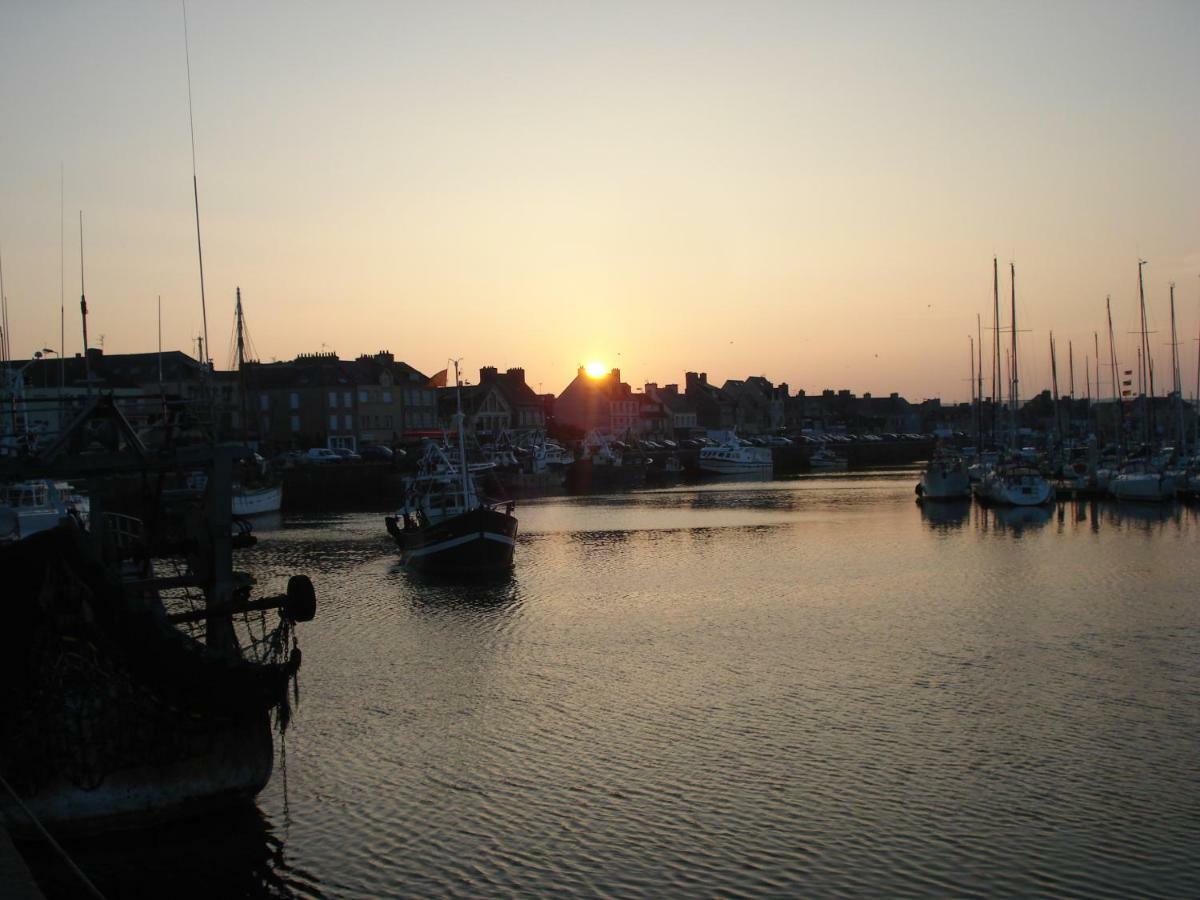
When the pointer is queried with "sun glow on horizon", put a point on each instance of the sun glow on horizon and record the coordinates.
(596, 369)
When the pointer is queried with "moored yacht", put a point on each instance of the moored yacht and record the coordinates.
(735, 457)
(1014, 484)
(1141, 480)
(944, 478)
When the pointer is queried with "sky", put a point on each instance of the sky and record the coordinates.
(810, 192)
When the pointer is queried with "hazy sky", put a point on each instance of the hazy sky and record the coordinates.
(813, 192)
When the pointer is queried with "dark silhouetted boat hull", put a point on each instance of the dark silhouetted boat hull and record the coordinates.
(477, 542)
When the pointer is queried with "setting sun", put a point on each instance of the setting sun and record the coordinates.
(596, 369)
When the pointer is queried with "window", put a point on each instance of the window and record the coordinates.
(295, 423)
(333, 422)
(347, 399)
(387, 396)
(293, 400)
(264, 402)
(348, 422)
(362, 396)
(365, 421)
(387, 421)
(333, 400)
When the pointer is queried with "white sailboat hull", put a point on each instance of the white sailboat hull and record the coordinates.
(1142, 486)
(938, 483)
(1024, 490)
(254, 502)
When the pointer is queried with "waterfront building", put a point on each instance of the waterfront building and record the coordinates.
(715, 409)
(678, 412)
(501, 401)
(319, 400)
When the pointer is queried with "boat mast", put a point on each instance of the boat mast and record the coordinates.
(974, 398)
(241, 364)
(195, 187)
(1054, 387)
(1112, 354)
(1176, 376)
(1016, 392)
(62, 290)
(4, 354)
(462, 438)
(1071, 367)
(979, 387)
(995, 348)
(1147, 365)
(87, 367)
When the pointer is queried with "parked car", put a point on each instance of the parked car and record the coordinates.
(347, 454)
(320, 456)
(376, 452)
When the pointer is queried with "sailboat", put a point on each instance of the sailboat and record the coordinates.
(445, 524)
(1141, 477)
(258, 494)
(1014, 482)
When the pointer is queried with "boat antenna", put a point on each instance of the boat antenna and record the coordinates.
(87, 366)
(195, 187)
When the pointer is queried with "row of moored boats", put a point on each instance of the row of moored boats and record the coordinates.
(1025, 478)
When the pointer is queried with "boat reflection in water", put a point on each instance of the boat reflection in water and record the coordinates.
(252, 861)
(1016, 519)
(946, 515)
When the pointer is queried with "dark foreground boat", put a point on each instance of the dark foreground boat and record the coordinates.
(139, 682)
(445, 525)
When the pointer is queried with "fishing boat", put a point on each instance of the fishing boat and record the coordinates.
(445, 525)
(735, 457)
(251, 500)
(27, 507)
(605, 464)
(944, 478)
(141, 681)
(261, 492)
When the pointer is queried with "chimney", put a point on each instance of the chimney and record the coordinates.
(691, 379)
(616, 375)
(486, 374)
(704, 378)
(672, 389)
(516, 374)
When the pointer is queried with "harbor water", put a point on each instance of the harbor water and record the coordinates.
(812, 687)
